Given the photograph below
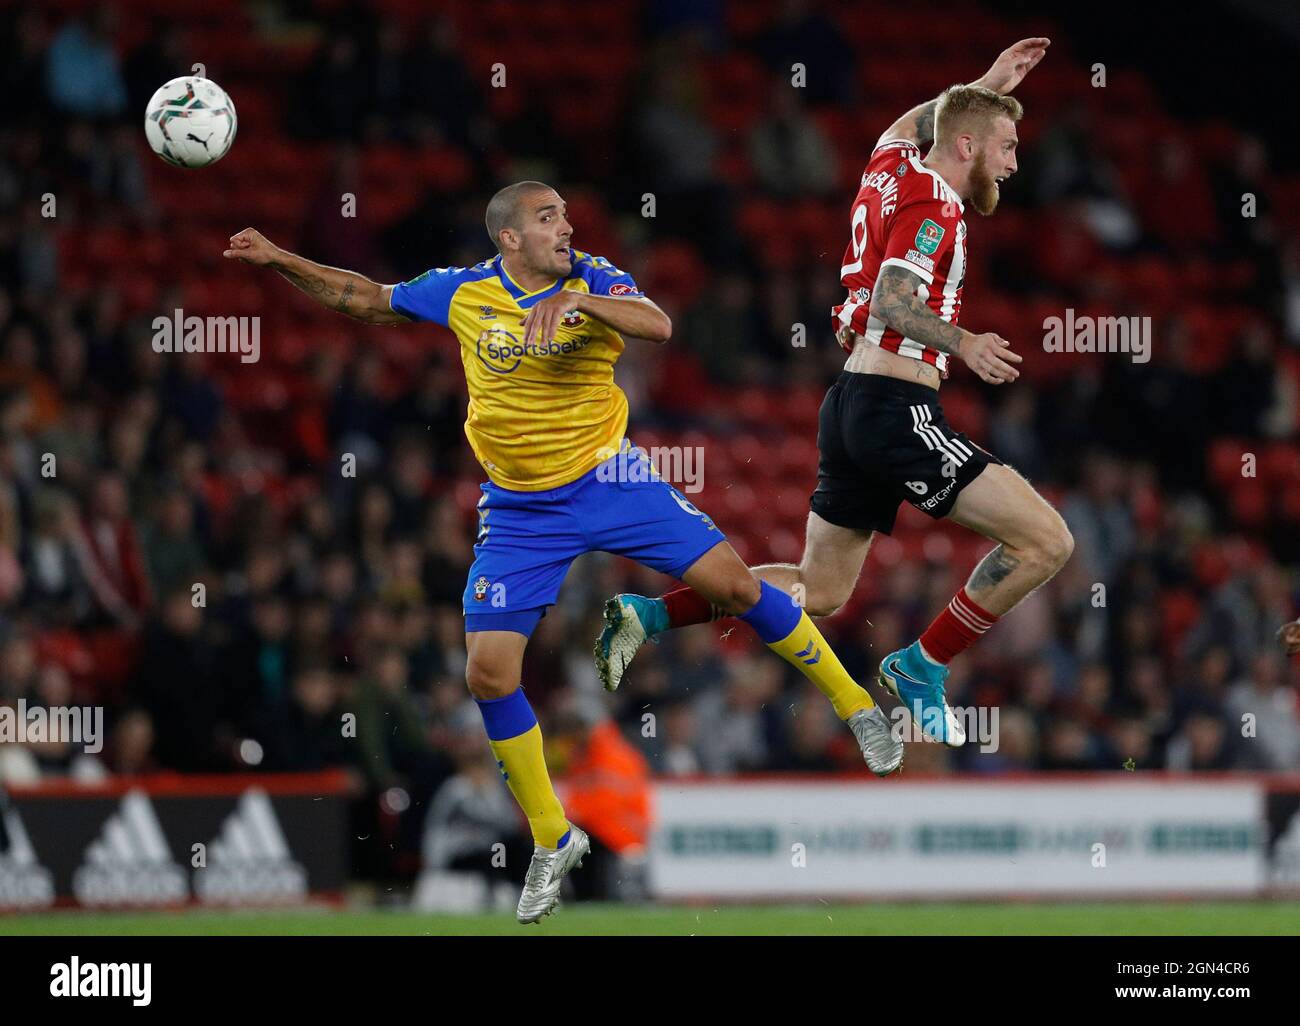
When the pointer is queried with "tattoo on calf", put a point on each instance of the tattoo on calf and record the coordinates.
(994, 568)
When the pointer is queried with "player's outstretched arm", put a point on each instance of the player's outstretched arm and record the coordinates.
(636, 317)
(895, 301)
(1007, 72)
(345, 291)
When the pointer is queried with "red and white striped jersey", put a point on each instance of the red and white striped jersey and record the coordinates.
(907, 215)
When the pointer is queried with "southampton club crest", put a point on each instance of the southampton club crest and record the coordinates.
(480, 589)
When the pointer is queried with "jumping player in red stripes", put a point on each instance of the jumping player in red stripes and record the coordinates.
(883, 437)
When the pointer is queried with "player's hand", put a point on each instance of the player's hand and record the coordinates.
(1289, 635)
(543, 319)
(1014, 63)
(990, 356)
(252, 247)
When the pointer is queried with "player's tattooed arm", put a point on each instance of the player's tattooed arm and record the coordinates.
(894, 301)
(916, 126)
(345, 291)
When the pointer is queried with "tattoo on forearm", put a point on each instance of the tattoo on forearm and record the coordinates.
(895, 301)
(312, 284)
(925, 123)
(345, 298)
(993, 569)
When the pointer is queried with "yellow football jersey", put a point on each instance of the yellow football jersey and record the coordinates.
(540, 415)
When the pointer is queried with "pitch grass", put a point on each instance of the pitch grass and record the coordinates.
(1107, 919)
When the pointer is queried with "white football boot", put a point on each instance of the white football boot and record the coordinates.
(545, 873)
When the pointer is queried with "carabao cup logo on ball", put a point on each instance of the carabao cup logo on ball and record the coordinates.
(502, 352)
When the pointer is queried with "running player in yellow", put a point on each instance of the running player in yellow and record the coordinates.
(540, 326)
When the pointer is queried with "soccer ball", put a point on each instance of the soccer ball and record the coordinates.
(190, 122)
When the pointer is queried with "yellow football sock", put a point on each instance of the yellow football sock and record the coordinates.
(806, 649)
(516, 740)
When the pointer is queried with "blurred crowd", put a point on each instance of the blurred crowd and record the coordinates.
(197, 563)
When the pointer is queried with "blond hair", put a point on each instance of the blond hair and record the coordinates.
(971, 108)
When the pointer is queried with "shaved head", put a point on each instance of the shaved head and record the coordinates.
(505, 209)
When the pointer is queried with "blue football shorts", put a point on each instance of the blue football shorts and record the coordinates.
(527, 540)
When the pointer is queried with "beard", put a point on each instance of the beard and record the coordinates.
(984, 190)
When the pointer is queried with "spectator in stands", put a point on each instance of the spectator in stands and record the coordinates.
(809, 739)
(328, 235)
(257, 661)
(1013, 435)
(21, 372)
(162, 57)
(802, 33)
(732, 716)
(179, 686)
(721, 328)
(1017, 745)
(1068, 745)
(58, 593)
(84, 74)
(675, 137)
(392, 739)
(1263, 718)
(110, 556)
(1242, 614)
(678, 754)
(18, 666)
(23, 71)
(1099, 518)
(790, 153)
(334, 94)
(304, 731)
(173, 552)
(1200, 743)
(1129, 744)
(437, 88)
(131, 744)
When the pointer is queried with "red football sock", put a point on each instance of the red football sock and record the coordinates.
(687, 606)
(956, 628)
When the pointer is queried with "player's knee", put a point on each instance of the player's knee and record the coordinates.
(739, 594)
(1053, 544)
(1060, 545)
(489, 676)
(746, 591)
(823, 600)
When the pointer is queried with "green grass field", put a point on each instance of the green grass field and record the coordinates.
(1111, 918)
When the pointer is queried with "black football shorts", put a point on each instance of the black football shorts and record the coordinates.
(883, 441)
